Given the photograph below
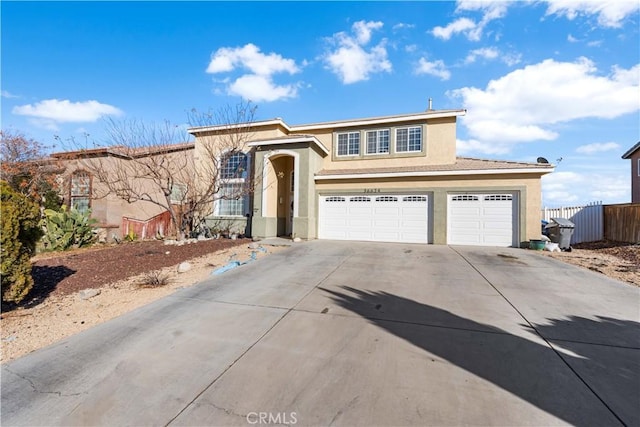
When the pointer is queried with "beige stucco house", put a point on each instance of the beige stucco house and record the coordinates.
(82, 188)
(634, 155)
(392, 179)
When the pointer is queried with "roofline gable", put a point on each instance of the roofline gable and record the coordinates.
(631, 150)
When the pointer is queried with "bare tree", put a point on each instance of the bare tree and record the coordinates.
(26, 167)
(157, 163)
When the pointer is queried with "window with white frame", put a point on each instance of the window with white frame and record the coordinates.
(378, 141)
(232, 196)
(233, 187)
(233, 165)
(409, 139)
(349, 144)
(80, 191)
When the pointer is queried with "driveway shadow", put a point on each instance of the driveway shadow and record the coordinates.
(553, 381)
(45, 280)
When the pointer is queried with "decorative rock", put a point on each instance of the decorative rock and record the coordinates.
(254, 245)
(85, 294)
(183, 267)
(297, 240)
(170, 242)
(167, 252)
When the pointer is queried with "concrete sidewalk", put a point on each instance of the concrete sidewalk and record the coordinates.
(345, 333)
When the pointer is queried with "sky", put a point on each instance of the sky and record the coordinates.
(558, 79)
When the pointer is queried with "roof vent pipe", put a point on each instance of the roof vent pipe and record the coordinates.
(430, 104)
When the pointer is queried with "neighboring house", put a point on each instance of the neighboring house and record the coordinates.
(82, 190)
(634, 154)
(390, 179)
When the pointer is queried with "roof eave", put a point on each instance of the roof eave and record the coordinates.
(292, 140)
(631, 150)
(379, 120)
(541, 171)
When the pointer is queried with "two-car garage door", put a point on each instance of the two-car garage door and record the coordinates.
(488, 219)
(378, 218)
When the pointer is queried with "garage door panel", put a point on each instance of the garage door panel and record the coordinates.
(385, 218)
(482, 219)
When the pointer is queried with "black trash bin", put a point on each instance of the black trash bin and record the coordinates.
(560, 230)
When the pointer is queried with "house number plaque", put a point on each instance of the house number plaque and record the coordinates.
(371, 190)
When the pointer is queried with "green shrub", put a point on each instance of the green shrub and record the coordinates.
(68, 229)
(20, 232)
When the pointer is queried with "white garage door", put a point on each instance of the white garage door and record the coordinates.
(380, 218)
(482, 219)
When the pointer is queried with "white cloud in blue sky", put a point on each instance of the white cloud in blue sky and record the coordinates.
(435, 68)
(349, 58)
(610, 13)
(525, 104)
(51, 112)
(258, 84)
(556, 78)
(598, 147)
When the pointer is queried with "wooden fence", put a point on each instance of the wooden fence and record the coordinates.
(622, 222)
(145, 229)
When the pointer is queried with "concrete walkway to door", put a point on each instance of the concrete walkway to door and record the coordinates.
(348, 333)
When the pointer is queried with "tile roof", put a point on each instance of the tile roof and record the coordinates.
(461, 164)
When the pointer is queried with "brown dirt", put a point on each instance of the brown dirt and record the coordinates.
(54, 310)
(620, 261)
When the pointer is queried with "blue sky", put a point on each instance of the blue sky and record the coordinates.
(557, 78)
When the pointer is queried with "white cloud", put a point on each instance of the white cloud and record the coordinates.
(473, 31)
(363, 30)
(597, 147)
(249, 57)
(351, 62)
(434, 68)
(461, 25)
(572, 39)
(402, 25)
(261, 89)
(565, 188)
(525, 104)
(475, 146)
(609, 14)
(257, 84)
(7, 94)
(485, 52)
(65, 111)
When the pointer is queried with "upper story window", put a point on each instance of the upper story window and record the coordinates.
(409, 139)
(234, 165)
(378, 141)
(80, 196)
(349, 144)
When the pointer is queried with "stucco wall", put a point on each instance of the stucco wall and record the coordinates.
(635, 177)
(439, 140)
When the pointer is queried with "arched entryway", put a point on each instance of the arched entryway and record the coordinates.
(280, 189)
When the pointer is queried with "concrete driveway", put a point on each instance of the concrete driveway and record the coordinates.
(344, 333)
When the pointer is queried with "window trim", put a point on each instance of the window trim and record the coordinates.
(377, 133)
(408, 129)
(338, 134)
